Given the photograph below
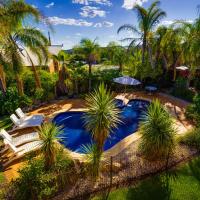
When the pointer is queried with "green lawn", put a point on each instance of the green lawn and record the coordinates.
(181, 184)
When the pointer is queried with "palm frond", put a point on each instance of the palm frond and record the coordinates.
(102, 115)
(128, 27)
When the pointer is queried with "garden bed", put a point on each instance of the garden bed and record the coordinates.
(127, 168)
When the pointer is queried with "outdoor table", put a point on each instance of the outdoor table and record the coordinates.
(151, 89)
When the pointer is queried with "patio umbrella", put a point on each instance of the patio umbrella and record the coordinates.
(126, 80)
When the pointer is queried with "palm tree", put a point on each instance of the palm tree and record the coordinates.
(190, 44)
(89, 50)
(172, 42)
(17, 41)
(102, 115)
(147, 19)
(157, 132)
(61, 60)
(49, 135)
(2, 74)
(93, 159)
(120, 57)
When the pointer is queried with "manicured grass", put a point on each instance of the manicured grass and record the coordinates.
(5, 122)
(181, 184)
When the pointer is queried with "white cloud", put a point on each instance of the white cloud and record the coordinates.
(170, 22)
(78, 34)
(103, 24)
(50, 5)
(129, 4)
(68, 21)
(98, 25)
(89, 11)
(88, 2)
(34, 6)
(107, 24)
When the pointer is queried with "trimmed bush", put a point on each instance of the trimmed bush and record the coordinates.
(191, 138)
(193, 110)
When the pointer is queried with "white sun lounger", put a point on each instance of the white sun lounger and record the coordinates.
(29, 137)
(22, 150)
(24, 116)
(19, 123)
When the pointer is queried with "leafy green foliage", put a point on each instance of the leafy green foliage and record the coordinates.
(47, 81)
(35, 182)
(11, 101)
(5, 122)
(191, 138)
(181, 90)
(157, 131)
(197, 84)
(102, 115)
(193, 110)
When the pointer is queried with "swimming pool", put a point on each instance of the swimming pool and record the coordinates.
(75, 135)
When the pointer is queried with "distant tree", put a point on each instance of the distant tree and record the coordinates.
(61, 60)
(89, 50)
(147, 19)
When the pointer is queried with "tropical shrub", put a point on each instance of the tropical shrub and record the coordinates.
(181, 90)
(93, 158)
(102, 115)
(49, 133)
(197, 84)
(193, 110)
(157, 131)
(191, 138)
(11, 101)
(48, 81)
(35, 182)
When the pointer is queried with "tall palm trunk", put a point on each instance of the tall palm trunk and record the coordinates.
(37, 79)
(144, 44)
(90, 78)
(174, 65)
(151, 57)
(36, 75)
(120, 67)
(2, 80)
(20, 85)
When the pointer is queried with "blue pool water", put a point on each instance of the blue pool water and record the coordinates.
(75, 135)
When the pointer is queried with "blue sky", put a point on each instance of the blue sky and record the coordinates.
(76, 19)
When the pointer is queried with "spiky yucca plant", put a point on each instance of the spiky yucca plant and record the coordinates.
(93, 159)
(102, 115)
(157, 131)
(49, 133)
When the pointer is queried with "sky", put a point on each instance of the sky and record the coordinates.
(73, 20)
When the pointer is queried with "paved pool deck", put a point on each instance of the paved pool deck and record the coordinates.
(175, 106)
